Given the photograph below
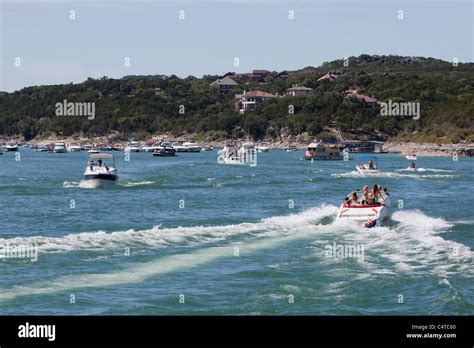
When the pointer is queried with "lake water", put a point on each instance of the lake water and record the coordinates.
(186, 235)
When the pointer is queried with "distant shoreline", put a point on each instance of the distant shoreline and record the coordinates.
(422, 149)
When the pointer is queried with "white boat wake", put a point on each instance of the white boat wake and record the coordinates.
(414, 245)
(396, 174)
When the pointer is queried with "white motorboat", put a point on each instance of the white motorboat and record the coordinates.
(187, 147)
(132, 146)
(74, 147)
(60, 147)
(291, 148)
(11, 147)
(246, 154)
(93, 151)
(151, 148)
(369, 215)
(369, 167)
(101, 171)
(411, 156)
(262, 148)
(207, 148)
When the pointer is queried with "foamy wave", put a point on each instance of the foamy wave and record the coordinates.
(161, 237)
(84, 184)
(133, 184)
(139, 273)
(415, 245)
(356, 174)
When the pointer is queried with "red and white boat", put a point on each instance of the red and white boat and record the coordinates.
(369, 215)
(411, 156)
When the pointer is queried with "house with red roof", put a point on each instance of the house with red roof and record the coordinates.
(368, 102)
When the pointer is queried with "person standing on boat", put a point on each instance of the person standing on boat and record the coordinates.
(371, 164)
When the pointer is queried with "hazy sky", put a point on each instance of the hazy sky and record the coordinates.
(56, 49)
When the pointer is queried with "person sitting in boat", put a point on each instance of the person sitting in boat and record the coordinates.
(413, 165)
(354, 200)
(366, 193)
(371, 164)
(376, 194)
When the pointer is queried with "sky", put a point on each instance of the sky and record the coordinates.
(42, 45)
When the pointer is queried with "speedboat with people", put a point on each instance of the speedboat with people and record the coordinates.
(323, 152)
(60, 147)
(411, 156)
(368, 207)
(246, 154)
(412, 167)
(367, 165)
(101, 171)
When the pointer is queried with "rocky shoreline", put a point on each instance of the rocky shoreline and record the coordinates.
(431, 149)
(422, 149)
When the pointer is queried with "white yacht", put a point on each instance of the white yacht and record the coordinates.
(368, 214)
(101, 171)
(73, 147)
(132, 146)
(246, 154)
(60, 147)
(151, 148)
(11, 147)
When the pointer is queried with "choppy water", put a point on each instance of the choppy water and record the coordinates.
(229, 239)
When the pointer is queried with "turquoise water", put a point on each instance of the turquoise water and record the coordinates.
(231, 239)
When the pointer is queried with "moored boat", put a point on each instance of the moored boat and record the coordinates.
(73, 147)
(60, 147)
(164, 151)
(11, 147)
(323, 152)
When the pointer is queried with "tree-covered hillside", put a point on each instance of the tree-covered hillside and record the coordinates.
(145, 105)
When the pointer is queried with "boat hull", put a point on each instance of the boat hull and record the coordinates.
(368, 215)
(100, 180)
(363, 170)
